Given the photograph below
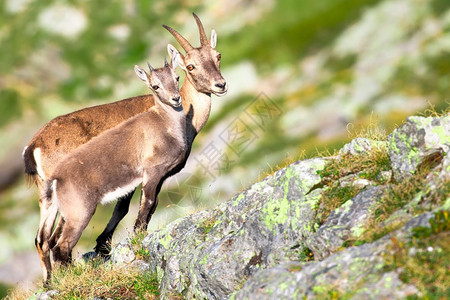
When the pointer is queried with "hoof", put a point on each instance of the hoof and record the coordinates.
(90, 256)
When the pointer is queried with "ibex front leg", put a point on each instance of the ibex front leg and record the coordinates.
(149, 199)
(120, 210)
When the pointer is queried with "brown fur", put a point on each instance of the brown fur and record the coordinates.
(76, 128)
(142, 149)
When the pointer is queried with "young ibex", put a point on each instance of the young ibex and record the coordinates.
(143, 149)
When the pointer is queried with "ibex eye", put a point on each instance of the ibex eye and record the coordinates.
(178, 78)
(219, 57)
(155, 87)
(190, 67)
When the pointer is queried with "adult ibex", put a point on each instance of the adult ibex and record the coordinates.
(143, 149)
(65, 133)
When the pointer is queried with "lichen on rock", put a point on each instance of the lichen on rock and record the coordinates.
(267, 242)
(417, 140)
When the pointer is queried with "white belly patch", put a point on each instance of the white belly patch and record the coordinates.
(120, 191)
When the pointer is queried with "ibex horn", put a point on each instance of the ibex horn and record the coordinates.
(201, 30)
(180, 39)
(150, 67)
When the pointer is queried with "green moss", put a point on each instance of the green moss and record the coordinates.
(336, 197)
(207, 225)
(413, 157)
(276, 213)
(358, 230)
(204, 260)
(238, 199)
(399, 194)
(164, 241)
(442, 134)
(326, 292)
(283, 286)
(393, 145)
(439, 223)
(423, 259)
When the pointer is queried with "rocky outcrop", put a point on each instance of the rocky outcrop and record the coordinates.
(417, 142)
(266, 242)
(212, 253)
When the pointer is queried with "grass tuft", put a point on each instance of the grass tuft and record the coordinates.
(403, 192)
(368, 166)
(139, 250)
(423, 260)
(96, 279)
(208, 225)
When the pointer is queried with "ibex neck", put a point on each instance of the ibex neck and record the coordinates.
(197, 107)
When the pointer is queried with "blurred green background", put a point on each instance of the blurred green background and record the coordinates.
(303, 76)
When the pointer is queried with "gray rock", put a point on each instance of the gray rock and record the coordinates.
(388, 287)
(417, 140)
(140, 265)
(255, 245)
(44, 295)
(360, 146)
(344, 223)
(356, 270)
(122, 253)
(212, 253)
(355, 181)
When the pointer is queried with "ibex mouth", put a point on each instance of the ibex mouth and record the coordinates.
(220, 94)
(176, 104)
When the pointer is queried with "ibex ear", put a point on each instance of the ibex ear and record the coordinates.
(213, 39)
(175, 56)
(141, 74)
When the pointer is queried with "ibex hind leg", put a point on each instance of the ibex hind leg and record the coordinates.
(71, 233)
(75, 221)
(103, 246)
(48, 217)
(56, 233)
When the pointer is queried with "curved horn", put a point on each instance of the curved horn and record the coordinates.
(150, 67)
(201, 30)
(180, 39)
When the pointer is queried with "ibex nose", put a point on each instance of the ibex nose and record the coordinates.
(176, 99)
(221, 85)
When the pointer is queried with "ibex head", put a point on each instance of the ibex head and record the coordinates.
(163, 81)
(202, 64)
